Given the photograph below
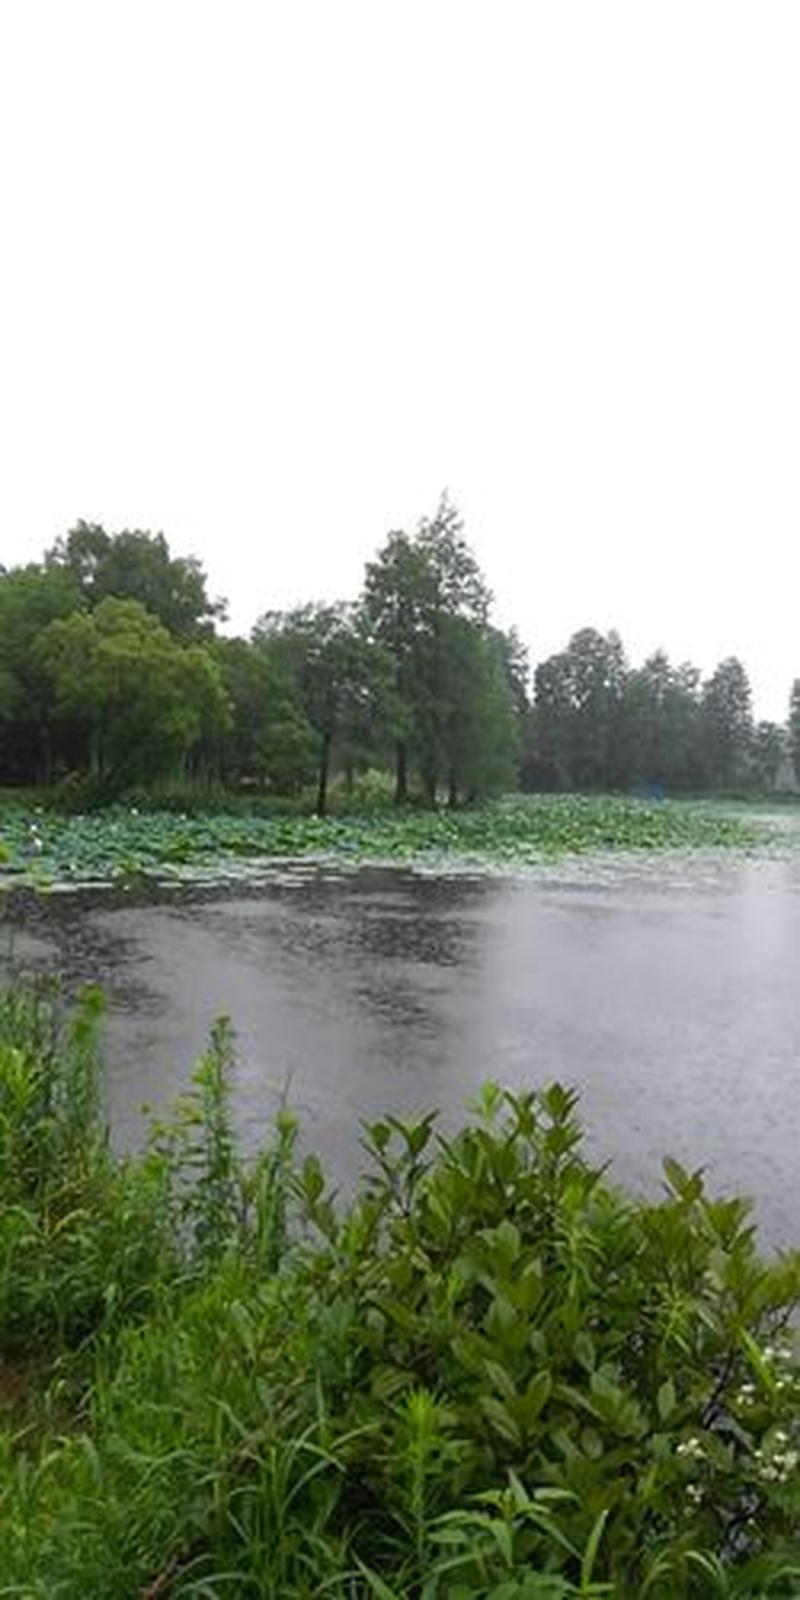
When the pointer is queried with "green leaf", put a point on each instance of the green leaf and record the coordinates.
(590, 1553)
(501, 1419)
(585, 1351)
(666, 1400)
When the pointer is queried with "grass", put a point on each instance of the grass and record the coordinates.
(490, 1376)
(43, 848)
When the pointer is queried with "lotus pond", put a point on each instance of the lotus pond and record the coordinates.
(45, 849)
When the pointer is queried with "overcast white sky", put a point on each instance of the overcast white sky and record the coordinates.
(273, 274)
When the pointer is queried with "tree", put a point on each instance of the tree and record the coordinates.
(768, 753)
(664, 723)
(270, 738)
(138, 700)
(515, 661)
(794, 727)
(480, 723)
(394, 604)
(134, 565)
(416, 589)
(727, 724)
(547, 757)
(31, 597)
(334, 666)
(598, 668)
(580, 732)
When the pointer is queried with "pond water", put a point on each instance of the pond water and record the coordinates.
(666, 989)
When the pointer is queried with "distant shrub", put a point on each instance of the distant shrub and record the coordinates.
(372, 790)
(84, 792)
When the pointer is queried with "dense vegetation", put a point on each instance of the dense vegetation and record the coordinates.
(45, 847)
(489, 1375)
(113, 674)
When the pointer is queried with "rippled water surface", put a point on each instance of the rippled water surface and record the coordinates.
(667, 990)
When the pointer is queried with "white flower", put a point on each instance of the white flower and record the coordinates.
(691, 1447)
(780, 1466)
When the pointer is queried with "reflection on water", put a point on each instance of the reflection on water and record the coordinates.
(666, 989)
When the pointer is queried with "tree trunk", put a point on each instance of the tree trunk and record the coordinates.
(429, 786)
(452, 789)
(401, 774)
(47, 756)
(324, 767)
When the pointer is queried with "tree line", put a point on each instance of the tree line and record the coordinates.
(114, 673)
(597, 723)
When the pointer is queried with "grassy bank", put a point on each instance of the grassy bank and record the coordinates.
(45, 848)
(491, 1376)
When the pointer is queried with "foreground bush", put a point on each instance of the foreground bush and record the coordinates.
(490, 1374)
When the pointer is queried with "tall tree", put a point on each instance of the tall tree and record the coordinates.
(769, 749)
(794, 727)
(416, 589)
(480, 725)
(727, 724)
(393, 603)
(270, 739)
(580, 728)
(664, 723)
(598, 668)
(547, 759)
(329, 657)
(31, 597)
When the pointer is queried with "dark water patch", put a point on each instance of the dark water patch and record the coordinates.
(670, 997)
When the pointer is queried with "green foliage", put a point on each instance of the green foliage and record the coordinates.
(455, 681)
(489, 1374)
(794, 728)
(664, 724)
(598, 725)
(768, 752)
(371, 790)
(134, 565)
(140, 699)
(31, 598)
(727, 723)
(45, 847)
(82, 1236)
(270, 739)
(579, 699)
(338, 674)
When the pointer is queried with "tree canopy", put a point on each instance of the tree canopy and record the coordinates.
(127, 692)
(134, 565)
